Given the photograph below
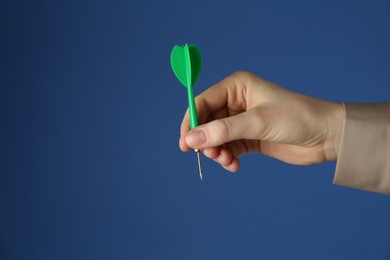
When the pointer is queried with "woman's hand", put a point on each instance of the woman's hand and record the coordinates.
(246, 114)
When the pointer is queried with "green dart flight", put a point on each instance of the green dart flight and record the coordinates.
(186, 63)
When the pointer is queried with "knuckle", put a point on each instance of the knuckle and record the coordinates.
(241, 73)
(243, 78)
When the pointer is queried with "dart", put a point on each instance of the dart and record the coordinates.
(186, 63)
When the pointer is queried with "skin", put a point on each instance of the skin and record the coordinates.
(247, 114)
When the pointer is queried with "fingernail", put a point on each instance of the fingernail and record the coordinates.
(227, 168)
(196, 138)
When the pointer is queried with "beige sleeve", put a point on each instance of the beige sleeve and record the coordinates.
(364, 155)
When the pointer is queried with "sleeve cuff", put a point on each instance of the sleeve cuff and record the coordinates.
(364, 155)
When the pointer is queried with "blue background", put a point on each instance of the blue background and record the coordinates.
(90, 114)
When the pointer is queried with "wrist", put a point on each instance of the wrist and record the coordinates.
(336, 120)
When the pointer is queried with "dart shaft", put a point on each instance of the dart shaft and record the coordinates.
(192, 108)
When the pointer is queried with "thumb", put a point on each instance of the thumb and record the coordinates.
(247, 125)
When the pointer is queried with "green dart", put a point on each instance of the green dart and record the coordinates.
(186, 63)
